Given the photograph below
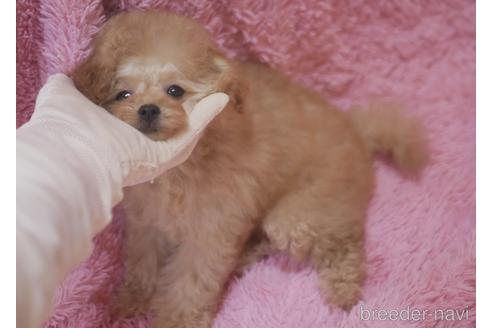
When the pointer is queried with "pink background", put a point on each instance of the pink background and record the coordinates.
(420, 235)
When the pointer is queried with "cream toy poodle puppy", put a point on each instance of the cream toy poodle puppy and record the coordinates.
(279, 169)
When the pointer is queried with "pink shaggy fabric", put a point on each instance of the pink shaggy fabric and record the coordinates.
(420, 235)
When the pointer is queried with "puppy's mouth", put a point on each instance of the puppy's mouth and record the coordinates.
(149, 127)
(154, 131)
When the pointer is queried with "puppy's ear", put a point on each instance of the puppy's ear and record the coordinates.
(231, 82)
(94, 77)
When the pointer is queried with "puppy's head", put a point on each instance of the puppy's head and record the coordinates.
(150, 68)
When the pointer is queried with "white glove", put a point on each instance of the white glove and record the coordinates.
(73, 159)
(125, 150)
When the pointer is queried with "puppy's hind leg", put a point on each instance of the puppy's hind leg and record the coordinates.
(313, 224)
(341, 269)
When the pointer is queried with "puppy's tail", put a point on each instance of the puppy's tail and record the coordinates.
(385, 130)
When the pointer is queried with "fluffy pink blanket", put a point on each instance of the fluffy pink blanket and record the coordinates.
(420, 234)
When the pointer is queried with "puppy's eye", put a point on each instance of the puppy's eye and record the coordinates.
(122, 95)
(175, 91)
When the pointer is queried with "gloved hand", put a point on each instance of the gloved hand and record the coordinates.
(127, 153)
(73, 160)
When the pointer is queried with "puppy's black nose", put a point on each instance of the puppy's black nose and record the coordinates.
(148, 112)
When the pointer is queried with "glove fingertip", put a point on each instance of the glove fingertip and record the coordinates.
(206, 110)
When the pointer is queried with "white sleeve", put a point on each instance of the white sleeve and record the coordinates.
(64, 196)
